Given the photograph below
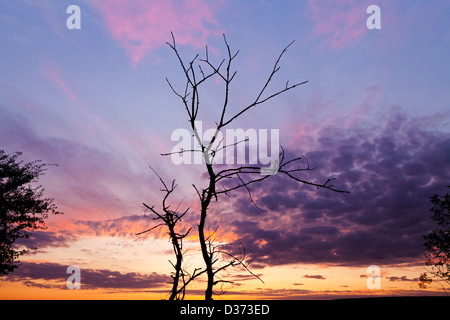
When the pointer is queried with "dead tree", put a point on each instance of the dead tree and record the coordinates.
(244, 175)
(170, 218)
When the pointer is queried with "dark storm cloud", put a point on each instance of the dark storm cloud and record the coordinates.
(390, 167)
(53, 275)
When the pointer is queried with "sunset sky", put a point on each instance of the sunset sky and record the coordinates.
(374, 114)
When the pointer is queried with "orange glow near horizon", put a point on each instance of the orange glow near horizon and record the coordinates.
(105, 249)
(280, 282)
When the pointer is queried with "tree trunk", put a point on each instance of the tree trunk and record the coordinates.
(179, 256)
(207, 257)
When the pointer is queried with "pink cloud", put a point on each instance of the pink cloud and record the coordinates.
(141, 26)
(53, 75)
(342, 23)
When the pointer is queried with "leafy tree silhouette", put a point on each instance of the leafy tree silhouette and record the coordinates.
(437, 243)
(231, 178)
(22, 206)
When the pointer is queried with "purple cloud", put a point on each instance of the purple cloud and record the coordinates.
(316, 276)
(43, 239)
(54, 275)
(391, 168)
(402, 278)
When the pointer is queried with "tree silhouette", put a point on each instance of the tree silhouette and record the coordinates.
(170, 218)
(22, 206)
(224, 181)
(437, 243)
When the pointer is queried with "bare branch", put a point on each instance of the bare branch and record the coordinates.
(249, 192)
(148, 230)
(283, 168)
(238, 261)
(269, 79)
(198, 193)
(181, 151)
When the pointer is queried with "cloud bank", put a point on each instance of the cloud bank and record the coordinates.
(53, 275)
(391, 166)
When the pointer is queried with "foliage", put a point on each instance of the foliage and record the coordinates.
(22, 206)
(437, 243)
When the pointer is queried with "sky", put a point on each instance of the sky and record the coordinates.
(374, 115)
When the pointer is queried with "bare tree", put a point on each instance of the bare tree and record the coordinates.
(244, 175)
(170, 218)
